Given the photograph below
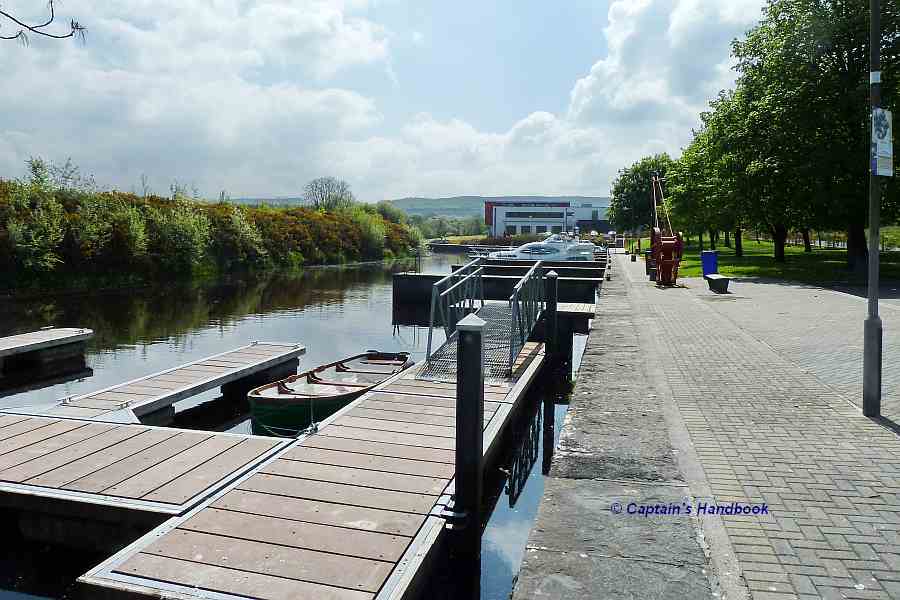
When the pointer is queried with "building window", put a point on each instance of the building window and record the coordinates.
(595, 215)
(557, 229)
(525, 229)
(510, 230)
(534, 215)
(587, 205)
(540, 229)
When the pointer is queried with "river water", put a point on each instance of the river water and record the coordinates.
(334, 312)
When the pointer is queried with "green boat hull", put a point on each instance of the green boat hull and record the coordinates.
(290, 418)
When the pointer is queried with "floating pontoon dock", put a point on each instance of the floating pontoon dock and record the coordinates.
(350, 512)
(152, 396)
(42, 348)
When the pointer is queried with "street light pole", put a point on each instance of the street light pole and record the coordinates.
(872, 329)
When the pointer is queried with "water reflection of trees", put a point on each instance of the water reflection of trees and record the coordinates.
(170, 311)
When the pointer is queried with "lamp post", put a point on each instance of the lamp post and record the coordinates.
(872, 332)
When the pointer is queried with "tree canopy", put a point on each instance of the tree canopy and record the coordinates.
(629, 206)
(787, 148)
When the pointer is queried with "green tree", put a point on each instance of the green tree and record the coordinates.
(328, 193)
(804, 71)
(630, 207)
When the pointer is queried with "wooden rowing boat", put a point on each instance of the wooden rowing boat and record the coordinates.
(286, 407)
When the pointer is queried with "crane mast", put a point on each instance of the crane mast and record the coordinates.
(666, 245)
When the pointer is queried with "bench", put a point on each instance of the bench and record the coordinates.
(717, 283)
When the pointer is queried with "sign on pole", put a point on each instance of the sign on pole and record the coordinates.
(882, 143)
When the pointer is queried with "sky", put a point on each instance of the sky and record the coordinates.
(399, 98)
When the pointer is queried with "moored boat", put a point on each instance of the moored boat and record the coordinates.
(288, 406)
(556, 247)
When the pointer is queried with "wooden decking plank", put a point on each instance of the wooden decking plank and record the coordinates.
(429, 404)
(250, 357)
(34, 435)
(404, 417)
(218, 362)
(129, 396)
(386, 395)
(199, 576)
(63, 456)
(77, 469)
(397, 411)
(148, 386)
(49, 444)
(347, 475)
(395, 405)
(191, 483)
(269, 559)
(296, 534)
(170, 469)
(437, 392)
(350, 420)
(266, 349)
(325, 513)
(377, 448)
(339, 493)
(198, 373)
(181, 380)
(489, 388)
(203, 371)
(7, 420)
(390, 437)
(24, 425)
(104, 478)
(369, 461)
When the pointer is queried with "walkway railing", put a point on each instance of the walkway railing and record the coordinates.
(525, 306)
(508, 324)
(455, 296)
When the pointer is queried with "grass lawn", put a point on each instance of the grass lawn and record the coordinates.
(822, 266)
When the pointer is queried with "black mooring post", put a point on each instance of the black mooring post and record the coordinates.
(469, 429)
(551, 321)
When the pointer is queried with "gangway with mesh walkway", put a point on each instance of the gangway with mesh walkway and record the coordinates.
(509, 324)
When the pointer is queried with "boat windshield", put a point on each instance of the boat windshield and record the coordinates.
(538, 248)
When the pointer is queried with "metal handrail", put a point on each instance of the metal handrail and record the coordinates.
(467, 279)
(525, 306)
(460, 298)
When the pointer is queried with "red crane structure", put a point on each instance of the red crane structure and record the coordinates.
(666, 245)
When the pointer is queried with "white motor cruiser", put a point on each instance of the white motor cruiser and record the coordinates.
(559, 246)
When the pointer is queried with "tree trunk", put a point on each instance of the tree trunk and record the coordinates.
(738, 242)
(779, 236)
(856, 247)
(819, 238)
(701, 241)
(727, 239)
(712, 239)
(757, 236)
(807, 244)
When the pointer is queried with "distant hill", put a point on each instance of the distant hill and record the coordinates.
(454, 206)
(468, 206)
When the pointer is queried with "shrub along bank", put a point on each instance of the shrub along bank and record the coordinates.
(47, 230)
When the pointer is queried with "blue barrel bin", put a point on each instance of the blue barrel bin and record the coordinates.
(710, 261)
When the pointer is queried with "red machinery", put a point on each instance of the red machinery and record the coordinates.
(666, 246)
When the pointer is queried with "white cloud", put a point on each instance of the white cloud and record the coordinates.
(666, 59)
(236, 94)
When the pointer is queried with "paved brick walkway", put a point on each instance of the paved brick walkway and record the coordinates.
(761, 381)
(820, 330)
